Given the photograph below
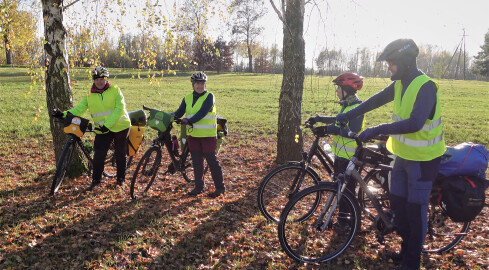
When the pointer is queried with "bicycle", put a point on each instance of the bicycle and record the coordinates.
(280, 184)
(147, 168)
(312, 229)
(77, 127)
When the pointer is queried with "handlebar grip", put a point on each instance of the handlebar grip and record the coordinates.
(146, 108)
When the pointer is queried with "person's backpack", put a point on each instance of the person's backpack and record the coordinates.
(464, 159)
(461, 197)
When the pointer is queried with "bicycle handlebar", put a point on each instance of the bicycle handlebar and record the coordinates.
(176, 119)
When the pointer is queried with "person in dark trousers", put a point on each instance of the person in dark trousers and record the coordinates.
(416, 138)
(108, 110)
(201, 119)
(343, 148)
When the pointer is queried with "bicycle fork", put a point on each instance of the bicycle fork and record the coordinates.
(332, 203)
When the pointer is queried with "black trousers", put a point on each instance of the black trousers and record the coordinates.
(101, 147)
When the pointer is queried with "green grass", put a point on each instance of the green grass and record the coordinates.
(248, 101)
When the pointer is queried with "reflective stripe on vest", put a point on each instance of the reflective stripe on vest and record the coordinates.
(126, 116)
(205, 127)
(427, 143)
(342, 146)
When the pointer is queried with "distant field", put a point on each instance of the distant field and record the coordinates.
(248, 101)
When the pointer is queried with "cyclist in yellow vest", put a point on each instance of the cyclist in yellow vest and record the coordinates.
(201, 119)
(108, 110)
(416, 138)
(343, 148)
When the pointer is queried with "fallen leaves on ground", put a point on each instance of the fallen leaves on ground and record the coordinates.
(166, 229)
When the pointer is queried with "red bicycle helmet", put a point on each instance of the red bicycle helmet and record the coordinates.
(349, 79)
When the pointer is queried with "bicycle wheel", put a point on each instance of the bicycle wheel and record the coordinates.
(62, 165)
(145, 172)
(306, 240)
(273, 192)
(443, 233)
(187, 169)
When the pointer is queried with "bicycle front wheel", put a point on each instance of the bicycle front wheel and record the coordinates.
(317, 239)
(145, 172)
(62, 165)
(443, 233)
(276, 186)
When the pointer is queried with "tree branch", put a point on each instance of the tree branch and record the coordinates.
(70, 4)
(280, 15)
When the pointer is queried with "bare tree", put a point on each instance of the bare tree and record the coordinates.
(289, 136)
(248, 12)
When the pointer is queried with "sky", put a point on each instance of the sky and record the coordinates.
(352, 24)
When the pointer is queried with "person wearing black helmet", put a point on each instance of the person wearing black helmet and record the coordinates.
(201, 119)
(415, 137)
(343, 148)
(108, 110)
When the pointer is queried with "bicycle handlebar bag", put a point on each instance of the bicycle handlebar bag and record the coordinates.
(75, 125)
(138, 118)
(159, 120)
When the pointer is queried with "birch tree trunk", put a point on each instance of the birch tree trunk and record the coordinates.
(289, 137)
(58, 89)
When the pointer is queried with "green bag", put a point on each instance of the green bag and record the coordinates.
(159, 120)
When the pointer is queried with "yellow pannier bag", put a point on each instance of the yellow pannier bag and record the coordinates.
(136, 135)
(75, 125)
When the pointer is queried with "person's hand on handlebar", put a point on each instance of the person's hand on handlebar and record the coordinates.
(57, 113)
(312, 120)
(369, 134)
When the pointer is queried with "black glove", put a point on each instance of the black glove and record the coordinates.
(311, 120)
(102, 129)
(57, 113)
(342, 118)
(321, 131)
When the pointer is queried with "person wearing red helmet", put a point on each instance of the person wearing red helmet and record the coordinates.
(343, 148)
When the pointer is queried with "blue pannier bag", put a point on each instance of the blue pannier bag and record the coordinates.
(465, 159)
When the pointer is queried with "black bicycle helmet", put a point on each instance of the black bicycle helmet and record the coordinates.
(100, 72)
(198, 76)
(399, 49)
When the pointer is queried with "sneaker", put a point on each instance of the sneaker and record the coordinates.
(194, 192)
(93, 186)
(216, 193)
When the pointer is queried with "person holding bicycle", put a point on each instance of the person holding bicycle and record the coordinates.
(416, 138)
(201, 119)
(108, 110)
(343, 147)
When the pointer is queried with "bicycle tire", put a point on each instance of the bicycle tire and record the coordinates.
(110, 166)
(62, 165)
(443, 233)
(274, 188)
(145, 172)
(303, 240)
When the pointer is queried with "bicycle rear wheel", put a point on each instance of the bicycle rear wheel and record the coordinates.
(145, 173)
(273, 192)
(62, 165)
(305, 239)
(443, 233)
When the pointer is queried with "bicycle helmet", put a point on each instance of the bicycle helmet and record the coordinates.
(100, 72)
(350, 82)
(198, 76)
(399, 49)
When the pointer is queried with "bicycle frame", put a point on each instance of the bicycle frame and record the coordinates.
(305, 163)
